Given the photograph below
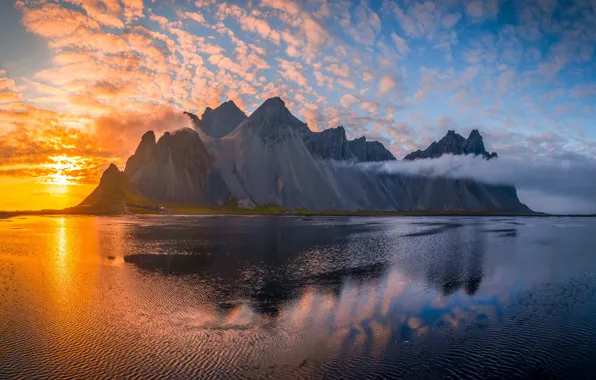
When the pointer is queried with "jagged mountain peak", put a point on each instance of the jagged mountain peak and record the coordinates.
(142, 154)
(272, 106)
(456, 144)
(474, 133)
(110, 171)
(182, 132)
(333, 144)
(474, 144)
(148, 137)
(228, 106)
(272, 120)
(111, 174)
(219, 122)
(275, 102)
(452, 136)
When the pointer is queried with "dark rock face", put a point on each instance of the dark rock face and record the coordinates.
(333, 144)
(455, 144)
(142, 155)
(221, 121)
(176, 169)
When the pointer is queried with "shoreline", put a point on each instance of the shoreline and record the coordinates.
(301, 213)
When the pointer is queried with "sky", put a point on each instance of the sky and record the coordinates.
(81, 80)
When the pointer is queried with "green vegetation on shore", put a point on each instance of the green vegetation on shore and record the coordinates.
(277, 210)
(258, 210)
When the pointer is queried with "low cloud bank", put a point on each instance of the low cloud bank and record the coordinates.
(559, 184)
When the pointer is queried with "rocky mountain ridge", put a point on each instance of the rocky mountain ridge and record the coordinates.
(328, 144)
(273, 158)
(456, 144)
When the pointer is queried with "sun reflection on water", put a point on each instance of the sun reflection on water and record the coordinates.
(61, 244)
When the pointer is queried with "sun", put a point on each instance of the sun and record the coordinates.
(59, 179)
(61, 170)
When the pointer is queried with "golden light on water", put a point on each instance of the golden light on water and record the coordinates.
(61, 244)
(31, 194)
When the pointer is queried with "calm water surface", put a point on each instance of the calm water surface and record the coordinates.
(288, 297)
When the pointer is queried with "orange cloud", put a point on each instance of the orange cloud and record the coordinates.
(133, 9)
(55, 22)
(9, 97)
(105, 12)
(41, 139)
(6, 84)
(293, 71)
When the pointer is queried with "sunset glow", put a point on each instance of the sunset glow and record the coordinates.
(62, 170)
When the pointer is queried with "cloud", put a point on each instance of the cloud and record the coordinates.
(9, 97)
(293, 71)
(54, 22)
(400, 44)
(348, 100)
(419, 95)
(289, 6)
(423, 19)
(42, 137)
(6, 83)
(506, 80)
(480, 9)
(584, 91)
(346, 83)
(475, 9)
(195, 16)
(105, 12)
(366, 25)
(133, 9)
(371, 108)
(449, 20)
(387, 83)
(340, 70)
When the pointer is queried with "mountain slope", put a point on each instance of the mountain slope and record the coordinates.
(114, 194)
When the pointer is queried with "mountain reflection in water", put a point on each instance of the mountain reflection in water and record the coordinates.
(290, 297)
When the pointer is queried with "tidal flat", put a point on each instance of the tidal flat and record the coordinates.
(242, 296)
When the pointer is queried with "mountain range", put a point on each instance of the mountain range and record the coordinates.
(273, 158)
